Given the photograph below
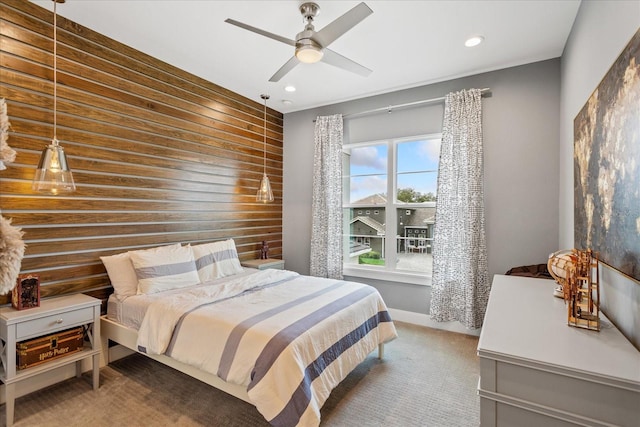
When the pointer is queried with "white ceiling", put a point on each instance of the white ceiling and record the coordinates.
(405, 43)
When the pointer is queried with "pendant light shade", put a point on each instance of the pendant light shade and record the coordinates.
(53, 174)
(265, 195)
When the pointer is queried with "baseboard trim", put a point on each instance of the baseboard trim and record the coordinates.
(425, 320)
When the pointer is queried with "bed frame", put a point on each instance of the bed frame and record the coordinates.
(128, 337)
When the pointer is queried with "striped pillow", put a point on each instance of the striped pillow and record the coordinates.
(163, 268)
(217, 259)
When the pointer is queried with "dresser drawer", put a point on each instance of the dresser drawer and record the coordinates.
(52, 323)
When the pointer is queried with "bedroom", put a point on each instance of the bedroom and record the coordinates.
(550, 92)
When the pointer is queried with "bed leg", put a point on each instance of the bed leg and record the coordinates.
(104, 354)
(380, 351)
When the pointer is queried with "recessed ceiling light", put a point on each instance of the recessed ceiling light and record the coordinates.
(290, 88)
(287, 102)
(473, 41)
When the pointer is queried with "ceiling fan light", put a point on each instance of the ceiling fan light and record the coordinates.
(309, 54)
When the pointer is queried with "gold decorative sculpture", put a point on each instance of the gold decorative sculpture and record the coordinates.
(558, 266)
(577, 274)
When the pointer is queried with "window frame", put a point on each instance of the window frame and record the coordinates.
(388, 272)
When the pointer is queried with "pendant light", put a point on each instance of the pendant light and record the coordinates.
(53, 174)
(265, 195)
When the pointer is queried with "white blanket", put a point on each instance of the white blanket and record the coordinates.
(289, 339)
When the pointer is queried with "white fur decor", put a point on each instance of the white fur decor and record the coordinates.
(11, 253)
(7, 154)
(11, 244)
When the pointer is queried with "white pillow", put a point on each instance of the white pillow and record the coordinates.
(217, 259)
(163, 268)
(122, 275)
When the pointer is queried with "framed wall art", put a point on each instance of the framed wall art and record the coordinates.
(607, 166)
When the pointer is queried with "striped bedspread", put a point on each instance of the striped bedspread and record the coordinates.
(290, 339)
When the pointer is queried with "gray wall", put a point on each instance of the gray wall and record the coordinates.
(600, 32)
(521, 122)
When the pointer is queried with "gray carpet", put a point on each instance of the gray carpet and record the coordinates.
(428, 378)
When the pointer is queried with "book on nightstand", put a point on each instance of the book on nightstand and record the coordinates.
(263, 264)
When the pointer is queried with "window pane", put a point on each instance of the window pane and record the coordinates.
(417, 187)
(378, 233)
(414, 241)
(369, 190)
(417, 170)
(365, 236)
(365, 174)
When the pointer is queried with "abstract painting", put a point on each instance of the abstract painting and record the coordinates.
(607, 166)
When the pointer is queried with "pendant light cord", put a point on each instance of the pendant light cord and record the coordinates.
(55, 74)
(265, 97)
(264, 165)
(264, 194)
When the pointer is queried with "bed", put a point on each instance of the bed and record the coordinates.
(276, 339)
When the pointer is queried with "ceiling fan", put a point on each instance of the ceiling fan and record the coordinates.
(312, 46)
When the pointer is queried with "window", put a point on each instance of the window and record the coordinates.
(390, 234)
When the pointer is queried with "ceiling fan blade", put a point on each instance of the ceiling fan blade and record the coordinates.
(288, 66)
(337, 60)
(261, 32)
(341, 25)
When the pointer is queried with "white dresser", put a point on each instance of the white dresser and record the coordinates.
(537, 371)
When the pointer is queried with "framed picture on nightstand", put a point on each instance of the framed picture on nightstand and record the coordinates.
(26, 294)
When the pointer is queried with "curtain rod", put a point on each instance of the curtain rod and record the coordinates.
(390, 108)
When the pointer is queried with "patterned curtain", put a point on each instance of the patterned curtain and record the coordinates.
(460, 288)
(326, 223)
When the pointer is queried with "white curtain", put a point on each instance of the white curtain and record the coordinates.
(460, 287)
(326, 223)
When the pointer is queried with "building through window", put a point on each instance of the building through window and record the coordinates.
(389, 203)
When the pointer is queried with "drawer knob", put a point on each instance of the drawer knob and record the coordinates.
(59, 321)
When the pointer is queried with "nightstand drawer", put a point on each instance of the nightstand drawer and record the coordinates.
(44, 325)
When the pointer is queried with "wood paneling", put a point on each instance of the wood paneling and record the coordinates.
(158, 155)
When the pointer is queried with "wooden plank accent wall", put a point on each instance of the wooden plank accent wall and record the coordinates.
(158, 155)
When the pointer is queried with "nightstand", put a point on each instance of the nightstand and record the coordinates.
(53, 315)
(263, 264)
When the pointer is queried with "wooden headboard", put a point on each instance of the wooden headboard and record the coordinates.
(158, 155)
